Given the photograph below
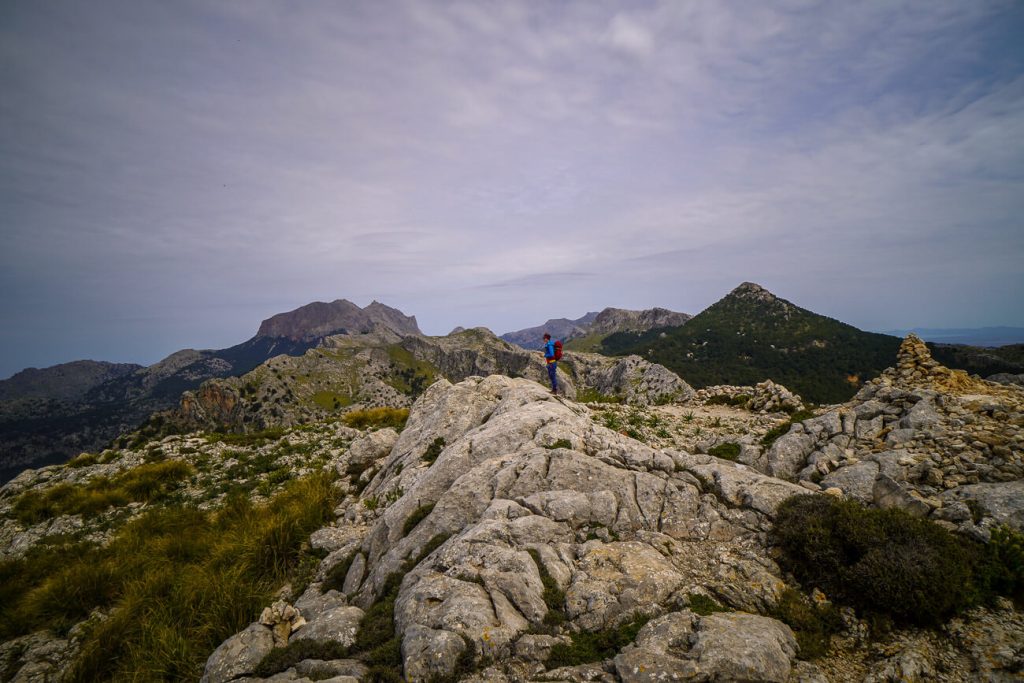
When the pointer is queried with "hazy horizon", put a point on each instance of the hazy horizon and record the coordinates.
(172, 174)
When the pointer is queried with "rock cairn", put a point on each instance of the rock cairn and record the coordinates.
(921, 437)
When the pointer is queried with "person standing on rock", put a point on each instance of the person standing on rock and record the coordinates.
(552, 360)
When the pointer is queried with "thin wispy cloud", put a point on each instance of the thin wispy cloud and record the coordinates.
(450, 158)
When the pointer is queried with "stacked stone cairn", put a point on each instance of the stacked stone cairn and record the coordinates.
(931, 440)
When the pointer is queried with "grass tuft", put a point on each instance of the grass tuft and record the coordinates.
(416, 517)
(377, 418)
(727, 451)
(594, 646)
(146, 483)
(174, 582)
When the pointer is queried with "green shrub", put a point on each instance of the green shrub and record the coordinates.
(737, 401)
(376, 418)
(335, 579)
(281, 658)
(554, 597)
(416, 517)
(594, 647)
(813, 625)
(704, 605)
(1001, 568)
(727, 451)
(775, 432)
(883, 562)
(83, 460)
(434, 450)
(253, 439)
(591, 395)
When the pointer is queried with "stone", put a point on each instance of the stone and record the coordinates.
(788, 454)
(856, 481)
(238, 655)
(430, 653)
(339, 624)
(1004, 501)
(372, 447)
(733, 646)
(887, 493)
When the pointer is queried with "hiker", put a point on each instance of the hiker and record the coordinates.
(551, 356)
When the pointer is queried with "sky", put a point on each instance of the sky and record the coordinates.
(172, 173)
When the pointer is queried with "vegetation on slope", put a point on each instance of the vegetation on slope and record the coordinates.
(750, 336)
(173, 584)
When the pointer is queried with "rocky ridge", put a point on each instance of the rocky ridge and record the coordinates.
(353, 372)
(505, 522)
(528, 491)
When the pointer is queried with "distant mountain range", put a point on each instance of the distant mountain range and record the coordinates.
(606, 322)
(49, 415)
(971, 336)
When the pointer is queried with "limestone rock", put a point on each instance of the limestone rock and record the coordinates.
(856, 481)
(721, 647)
(338, 624)
(238, 655)
(788, 454)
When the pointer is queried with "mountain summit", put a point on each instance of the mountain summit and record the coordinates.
(340, 316)
(751, 335)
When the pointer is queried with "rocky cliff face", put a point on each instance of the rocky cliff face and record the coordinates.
(532, 523)
(622, 320)
(320, 319)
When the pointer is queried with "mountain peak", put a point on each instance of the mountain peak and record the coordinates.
(319, 319)
(752, 290)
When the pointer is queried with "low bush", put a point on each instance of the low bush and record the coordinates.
(727, 451)
(881, 562)
(434, 449)
(775, 432)
(1001, 568)
(83, 460)
(591, 395)
(281, 658)
(335, 579)
(813, 625)
(377, 418)
(142, 484)
(704, 605)
(594, 646)
(416, 517)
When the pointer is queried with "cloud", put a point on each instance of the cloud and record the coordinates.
(157, 158)
(629, 36)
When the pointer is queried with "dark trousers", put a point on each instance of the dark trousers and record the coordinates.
(552, 373)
